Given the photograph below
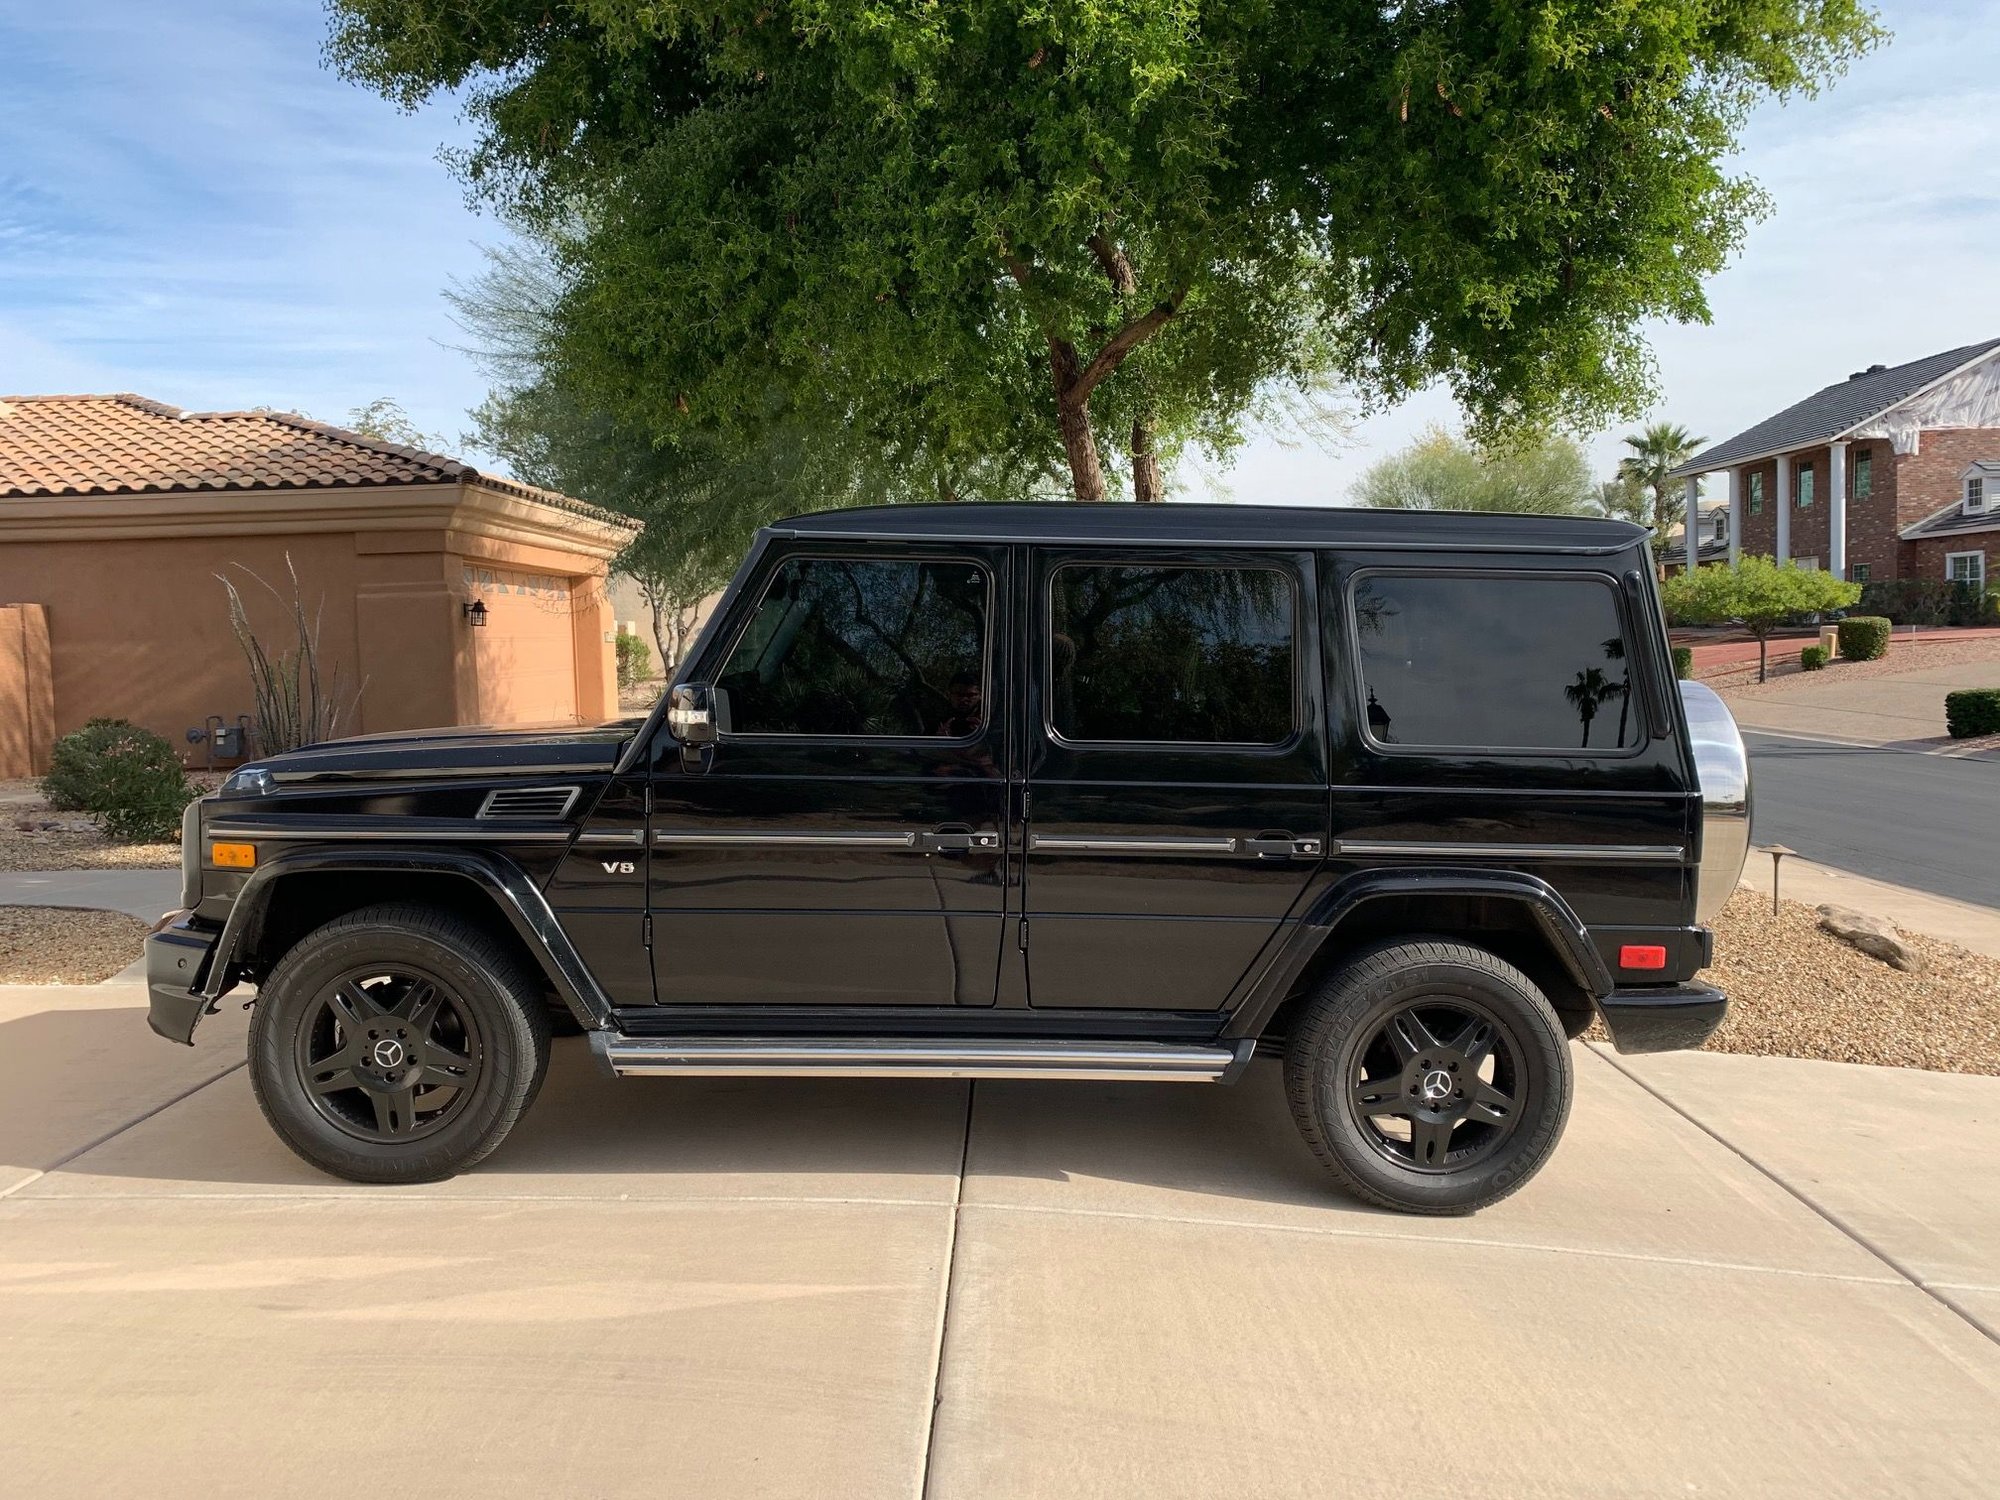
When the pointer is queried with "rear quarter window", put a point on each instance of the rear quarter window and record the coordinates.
(1481, 662)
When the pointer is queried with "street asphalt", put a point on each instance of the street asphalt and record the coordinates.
(1913, 819)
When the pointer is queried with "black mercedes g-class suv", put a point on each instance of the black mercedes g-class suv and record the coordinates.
(1096, 792)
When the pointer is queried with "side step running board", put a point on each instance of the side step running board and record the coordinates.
(922, 1057)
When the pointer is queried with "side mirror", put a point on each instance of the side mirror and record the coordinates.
(691, 714)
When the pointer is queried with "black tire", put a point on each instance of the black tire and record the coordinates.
(1366, 1057)
(471, 1014)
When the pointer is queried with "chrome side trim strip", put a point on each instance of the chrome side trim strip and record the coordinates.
(1559, 853)
(854, 1057)
(1064, 843)
(628, 838)
(789, 840)
(491, 833)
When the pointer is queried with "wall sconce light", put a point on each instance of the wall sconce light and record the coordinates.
(475, 614)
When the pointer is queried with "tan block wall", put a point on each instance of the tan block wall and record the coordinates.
(139, 629)
(27, 691)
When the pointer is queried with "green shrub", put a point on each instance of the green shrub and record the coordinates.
(1970, 712)
(1929, 601)
(635, 662)
(1812, 659)
(1863, 637)
(1683, 661)
(127, 778)
(74, 776)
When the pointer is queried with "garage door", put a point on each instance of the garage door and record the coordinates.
(525, 656)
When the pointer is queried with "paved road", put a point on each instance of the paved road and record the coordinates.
(1927, 821)
(145, 894)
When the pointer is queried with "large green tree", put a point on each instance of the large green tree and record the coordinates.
(1542, 475)
(1087, 231)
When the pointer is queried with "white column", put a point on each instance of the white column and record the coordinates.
(1784, 503)
(1736, 518)
(1691, 531)
(1836, 509)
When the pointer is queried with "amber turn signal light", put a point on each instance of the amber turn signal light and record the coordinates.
(1642, 956)
(233, 856)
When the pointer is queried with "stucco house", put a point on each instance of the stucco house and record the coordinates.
(1893, 472)
(445, 595)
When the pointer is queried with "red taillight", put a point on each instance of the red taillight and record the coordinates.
(1640, 956)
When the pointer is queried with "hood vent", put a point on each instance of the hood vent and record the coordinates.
(529, 802)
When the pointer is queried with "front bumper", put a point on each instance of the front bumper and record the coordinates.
(177, 957)
(1662, 1018)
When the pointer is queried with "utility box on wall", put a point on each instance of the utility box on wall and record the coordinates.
(27, 691)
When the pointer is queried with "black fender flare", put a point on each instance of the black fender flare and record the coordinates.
(1558, 923)
(505, 883)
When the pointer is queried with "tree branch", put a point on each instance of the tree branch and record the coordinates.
(1118, 348)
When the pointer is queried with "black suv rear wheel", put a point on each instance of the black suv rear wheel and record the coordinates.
(397, 1044)
(1430, 1076)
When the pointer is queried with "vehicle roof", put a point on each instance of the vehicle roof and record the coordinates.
(1217, 526)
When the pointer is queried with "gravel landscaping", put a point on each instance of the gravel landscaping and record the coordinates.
(1795, 991)
(64, 945)
(1740, 680)
(34, 837)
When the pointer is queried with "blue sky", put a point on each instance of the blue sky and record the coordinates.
(191, 207)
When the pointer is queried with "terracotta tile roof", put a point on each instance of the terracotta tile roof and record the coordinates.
(128, 445)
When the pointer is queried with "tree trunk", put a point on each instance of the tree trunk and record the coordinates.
(1145, 462)
(1073, 415)
(1763, 654)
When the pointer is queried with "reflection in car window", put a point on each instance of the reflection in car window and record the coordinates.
(1494, 662)
(1179, 655)
(845, 648)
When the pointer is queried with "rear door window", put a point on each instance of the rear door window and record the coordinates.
(1509, 662)
(1172, 655)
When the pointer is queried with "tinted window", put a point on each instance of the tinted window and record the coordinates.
(848, 648)
(1186, 655)
(1494, 663)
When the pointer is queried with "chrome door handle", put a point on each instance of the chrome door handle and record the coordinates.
(957, 841)
(1282, 846)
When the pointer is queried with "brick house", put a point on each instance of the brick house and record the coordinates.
(1893, 472)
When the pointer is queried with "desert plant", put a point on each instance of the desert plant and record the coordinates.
(125, 777)
(73, 764)
(1864, 637)
(1812, 659)
(1930, 601)
(1970, 712)
(294, 706)
(1683, 662)
(635, 662)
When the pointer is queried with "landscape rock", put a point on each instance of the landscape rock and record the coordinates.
(1872, 936)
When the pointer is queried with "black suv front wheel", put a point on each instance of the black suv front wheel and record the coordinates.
(1430, 1076)
(397, 1044)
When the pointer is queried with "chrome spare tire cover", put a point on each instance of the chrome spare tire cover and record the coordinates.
(1722, 768)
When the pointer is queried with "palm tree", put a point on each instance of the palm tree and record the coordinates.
(1656, 453)
(1590, 689)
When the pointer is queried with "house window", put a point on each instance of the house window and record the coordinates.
(1860, 572)
(1806, 564)
(1805, 482)
(1864, 475)
(1966, 567)
(1756, 494)
(1975, 492)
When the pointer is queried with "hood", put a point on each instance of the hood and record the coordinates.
(460, 750)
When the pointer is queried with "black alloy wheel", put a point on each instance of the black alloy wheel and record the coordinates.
(1429, 1075)
(1435, 1087)
(390, 1055)
(398, 1044)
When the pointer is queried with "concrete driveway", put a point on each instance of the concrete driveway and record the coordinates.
(1904, 707)
(1738, 1277)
